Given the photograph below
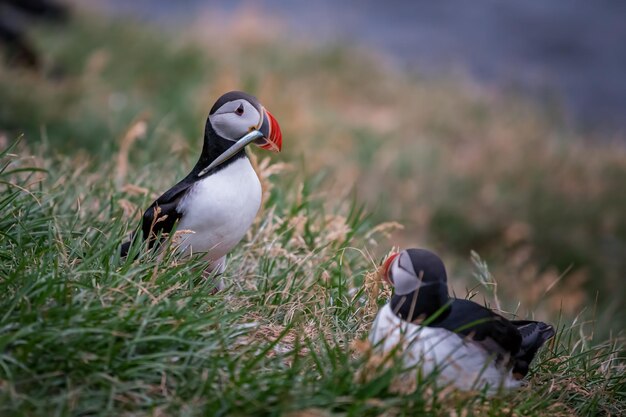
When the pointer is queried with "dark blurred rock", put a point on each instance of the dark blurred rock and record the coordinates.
(15, 17)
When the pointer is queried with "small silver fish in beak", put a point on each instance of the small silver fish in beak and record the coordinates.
(233, 150)
(267, 135)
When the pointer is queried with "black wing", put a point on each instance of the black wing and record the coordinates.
(162, 215)
(534, 335)
(494, 332)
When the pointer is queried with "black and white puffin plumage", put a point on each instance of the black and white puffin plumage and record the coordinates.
(466, 344)
(219, 199)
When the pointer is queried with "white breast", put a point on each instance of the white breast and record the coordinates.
(219, 209)
(457, 361)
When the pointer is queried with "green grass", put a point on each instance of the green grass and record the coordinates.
(83, 332)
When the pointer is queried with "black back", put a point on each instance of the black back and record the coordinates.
(470, 319)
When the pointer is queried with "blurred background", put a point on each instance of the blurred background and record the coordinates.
(567, 53)
(487, 126)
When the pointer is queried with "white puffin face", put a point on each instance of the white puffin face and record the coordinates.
(235, 119)
(402, 274)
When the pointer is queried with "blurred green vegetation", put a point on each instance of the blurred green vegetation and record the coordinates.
(461, 169)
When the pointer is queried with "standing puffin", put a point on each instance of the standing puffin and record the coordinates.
(219, 199)
(468, 346)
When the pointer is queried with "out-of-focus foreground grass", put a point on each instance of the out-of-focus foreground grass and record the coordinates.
(460, 169)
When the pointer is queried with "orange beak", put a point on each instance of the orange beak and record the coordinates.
(387, 266)
(272, 136)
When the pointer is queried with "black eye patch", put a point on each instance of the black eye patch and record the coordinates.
(239, 110)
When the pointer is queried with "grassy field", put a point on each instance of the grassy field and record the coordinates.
(117, 118)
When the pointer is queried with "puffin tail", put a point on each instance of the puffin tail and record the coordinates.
(124, 249)
(534, 335)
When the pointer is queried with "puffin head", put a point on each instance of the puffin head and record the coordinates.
(420, 283)
(235, 114)
(236, 120)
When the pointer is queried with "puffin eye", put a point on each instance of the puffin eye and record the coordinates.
(239, 110)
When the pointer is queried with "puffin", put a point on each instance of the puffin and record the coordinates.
(216, 203)
(463, 344)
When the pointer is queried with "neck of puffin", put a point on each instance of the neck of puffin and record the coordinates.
(422, 304)
(214, 145)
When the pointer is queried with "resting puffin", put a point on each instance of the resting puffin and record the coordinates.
(219, 199)
(468, 345)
